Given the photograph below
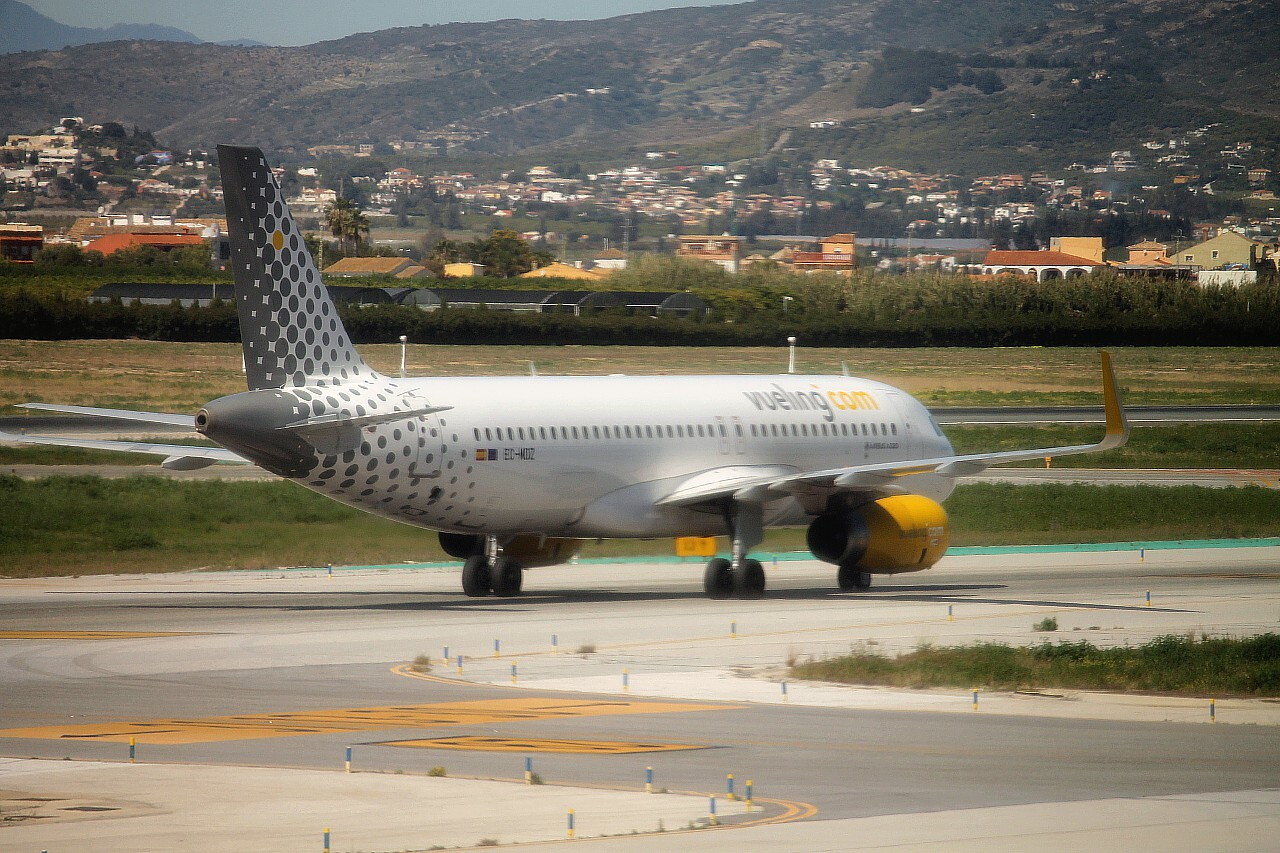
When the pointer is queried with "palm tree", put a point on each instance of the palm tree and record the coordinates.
(356, 228)
(337, 217)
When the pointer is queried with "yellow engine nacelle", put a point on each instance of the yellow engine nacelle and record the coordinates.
(532, 551)
(900, 533)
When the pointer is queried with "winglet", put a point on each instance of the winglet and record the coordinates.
(1117, 421)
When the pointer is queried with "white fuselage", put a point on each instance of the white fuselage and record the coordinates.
(591, 456)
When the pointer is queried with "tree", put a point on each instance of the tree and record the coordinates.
(504, 254)
(347, 222)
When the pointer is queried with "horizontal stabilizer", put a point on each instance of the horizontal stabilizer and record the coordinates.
(177, 451)
(120, 414)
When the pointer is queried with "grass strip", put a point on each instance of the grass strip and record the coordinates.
(85, 525)
(1208, 666)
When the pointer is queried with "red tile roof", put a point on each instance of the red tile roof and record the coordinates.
(115, 242)
(998, 257)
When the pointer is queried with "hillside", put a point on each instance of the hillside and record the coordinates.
(1026, 82)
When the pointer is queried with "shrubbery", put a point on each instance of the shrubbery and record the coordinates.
(746, 309)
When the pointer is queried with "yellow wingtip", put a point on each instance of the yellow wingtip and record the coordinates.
(1117, 423)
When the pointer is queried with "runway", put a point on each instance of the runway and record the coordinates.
(286, 669)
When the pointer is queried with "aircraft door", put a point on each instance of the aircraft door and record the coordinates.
(739, 436)
(907, 436)
(723, 432)
(428, 440)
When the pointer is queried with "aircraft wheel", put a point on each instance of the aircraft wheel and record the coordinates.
(475, 576)
(748, 581)
(507, 577)
(717, 580)
(850, 578)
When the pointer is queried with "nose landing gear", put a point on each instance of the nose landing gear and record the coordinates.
(738, 576)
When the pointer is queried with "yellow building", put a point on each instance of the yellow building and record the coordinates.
(559, 270)
(1227, 249)
(1089, 248)
(1148, 253)
(838, 254)
(723, 251)
(463, 270)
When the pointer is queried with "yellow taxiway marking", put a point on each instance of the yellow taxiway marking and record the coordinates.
(90, 635)
(247, 726)
(482, 743)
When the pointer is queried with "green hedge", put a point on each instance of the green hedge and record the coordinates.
(870, 311)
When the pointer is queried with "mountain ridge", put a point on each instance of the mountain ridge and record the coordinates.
(24, 29)
(712, 80)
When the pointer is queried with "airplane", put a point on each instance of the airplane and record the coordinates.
(516, 472)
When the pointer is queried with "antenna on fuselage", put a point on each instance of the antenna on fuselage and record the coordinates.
(533, 368)
(404, 351)
(791, 354)
(844, 368)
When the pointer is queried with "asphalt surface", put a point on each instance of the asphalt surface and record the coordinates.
(276, 643)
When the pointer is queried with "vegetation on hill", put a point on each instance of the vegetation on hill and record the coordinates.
(1004, 83)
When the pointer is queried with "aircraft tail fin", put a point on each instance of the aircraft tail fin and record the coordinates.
(289, 327)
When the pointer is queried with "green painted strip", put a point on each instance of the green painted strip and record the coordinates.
(797, 556)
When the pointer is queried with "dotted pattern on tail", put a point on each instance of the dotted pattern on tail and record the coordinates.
(289, 326)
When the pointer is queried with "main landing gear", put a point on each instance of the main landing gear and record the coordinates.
(738, 576)
(849, 578)
(491, 572)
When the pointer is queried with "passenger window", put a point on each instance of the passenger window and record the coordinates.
(595, 431)
(884, 430)
(575, 432)
(488, 434)
(700, 435)
(894, 428)
(648, 431)
(628, 431)
(520, 432)
(542, 431)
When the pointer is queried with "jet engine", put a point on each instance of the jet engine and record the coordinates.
(900, 533)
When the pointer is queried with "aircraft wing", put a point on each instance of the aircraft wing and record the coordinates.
(885, 477)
